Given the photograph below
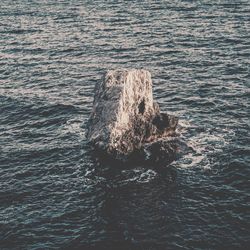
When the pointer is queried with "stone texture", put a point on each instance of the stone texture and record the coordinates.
(124, 117)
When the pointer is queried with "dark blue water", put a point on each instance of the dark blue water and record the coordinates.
(53, 195)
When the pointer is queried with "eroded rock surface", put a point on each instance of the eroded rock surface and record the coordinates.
(124, 117)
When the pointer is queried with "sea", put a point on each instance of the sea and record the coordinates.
(54, 194)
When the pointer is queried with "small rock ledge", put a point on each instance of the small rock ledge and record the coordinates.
(125, 118)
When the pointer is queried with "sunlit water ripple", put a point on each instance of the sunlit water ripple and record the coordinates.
(53, 195)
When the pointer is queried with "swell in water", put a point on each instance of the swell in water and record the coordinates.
(53, 195)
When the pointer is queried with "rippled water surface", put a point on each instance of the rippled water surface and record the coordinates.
(53, 195)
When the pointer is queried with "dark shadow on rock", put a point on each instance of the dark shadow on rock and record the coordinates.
(157, 156)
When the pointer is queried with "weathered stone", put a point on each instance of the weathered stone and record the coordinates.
(124, 116)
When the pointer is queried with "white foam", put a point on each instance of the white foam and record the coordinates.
(203, 144)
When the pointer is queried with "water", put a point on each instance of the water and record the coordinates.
(53, 195)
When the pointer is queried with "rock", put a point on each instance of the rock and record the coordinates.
(124, 117)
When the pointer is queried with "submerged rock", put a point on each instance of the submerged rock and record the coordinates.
(125, 118)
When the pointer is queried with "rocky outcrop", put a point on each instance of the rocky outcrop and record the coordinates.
(124, 117)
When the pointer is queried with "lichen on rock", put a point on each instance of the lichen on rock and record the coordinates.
(124, 117)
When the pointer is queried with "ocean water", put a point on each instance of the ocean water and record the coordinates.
(53, 194)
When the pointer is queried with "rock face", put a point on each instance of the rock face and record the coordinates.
(124, 117)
